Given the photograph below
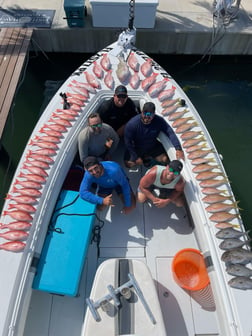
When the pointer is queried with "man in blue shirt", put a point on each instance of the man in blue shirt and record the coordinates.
(107, 175)
(140, 137)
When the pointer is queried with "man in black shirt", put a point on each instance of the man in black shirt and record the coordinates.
(118, 110)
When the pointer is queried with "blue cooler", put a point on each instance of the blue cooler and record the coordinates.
(75, 11)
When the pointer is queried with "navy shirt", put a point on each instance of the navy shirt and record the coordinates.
(140, 138)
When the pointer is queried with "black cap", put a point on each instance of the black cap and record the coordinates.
(121, 89)
(176, 165)
(90, 161)
(149, 107)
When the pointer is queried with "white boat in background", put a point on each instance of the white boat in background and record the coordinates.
(148, 235)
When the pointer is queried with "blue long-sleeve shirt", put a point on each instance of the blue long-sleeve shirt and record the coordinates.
(140, 138)
(113, 176)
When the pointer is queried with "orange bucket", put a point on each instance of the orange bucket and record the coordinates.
(189, 269)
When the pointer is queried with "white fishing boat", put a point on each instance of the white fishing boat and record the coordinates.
(48, 270)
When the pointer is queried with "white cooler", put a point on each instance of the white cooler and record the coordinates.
(107, 13)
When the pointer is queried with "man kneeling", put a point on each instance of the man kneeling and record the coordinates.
(162, 185)
(108, 176)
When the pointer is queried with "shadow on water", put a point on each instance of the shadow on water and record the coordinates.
(219, 87)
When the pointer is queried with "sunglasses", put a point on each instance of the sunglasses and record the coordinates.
(173, 171)
(96, 125)
(122, 96)
(148, 114)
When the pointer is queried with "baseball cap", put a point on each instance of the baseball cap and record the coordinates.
(149, 107)
(121, 89)
(90, 161)
(176, 165)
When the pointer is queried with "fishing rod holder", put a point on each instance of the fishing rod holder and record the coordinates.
(114, 295)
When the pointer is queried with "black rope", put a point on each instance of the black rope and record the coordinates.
(96, 231)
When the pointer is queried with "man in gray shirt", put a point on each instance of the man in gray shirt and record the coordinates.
(97, 139)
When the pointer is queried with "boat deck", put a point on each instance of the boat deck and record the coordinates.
(149, 234)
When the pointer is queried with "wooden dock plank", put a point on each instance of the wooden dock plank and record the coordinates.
(14, 47)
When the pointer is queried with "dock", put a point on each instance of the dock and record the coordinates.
(14, 48)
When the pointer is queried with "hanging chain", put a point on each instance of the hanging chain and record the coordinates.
(131, 14)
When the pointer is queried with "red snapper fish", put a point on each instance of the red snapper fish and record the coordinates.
(223, 217)
(58, 128)
(51, 133)
(213, 183)
(218, 207)
(97, 70)
(22, 207)
(14, 246)
(28, 184)
(40, 157)
(180, 121)
(75, 101)
(170, 102)
(146, 67)
(79, 89)
(148, 81)
(212, 191)
(226, 225)
(37, 163)
(135, 81)
(166, 94)
(196, 147)
(47, 138)
(176, 115)
(201, 160)
(204, 167)
(87, 86)
(122, 71)
(60, 121)
(22, 199)
(193, 141)
(199, 153)
(78, 96)
(14, 235)
(70, 112)
(33, 177)
(28, 191)
(208, 175)
(44, 144)
(64, 116)
(36, 170)
(215, 198)
(45, 152)
(105, 62)
(170, 110)
(133, 62)
(19, 215)
(157, 87)
(190, 135)
(186, 127)
(109, 80)
(92, 80)
(16, 226)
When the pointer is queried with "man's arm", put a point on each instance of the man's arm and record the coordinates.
(146, 181)
(113, 136)
(83, 144)
(85, 192)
